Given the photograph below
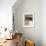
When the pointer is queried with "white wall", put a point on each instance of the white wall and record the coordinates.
(38, 7)
(6, 13)
(43, 22)
(29, 6)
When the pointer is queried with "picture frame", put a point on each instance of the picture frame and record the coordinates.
(28, 19)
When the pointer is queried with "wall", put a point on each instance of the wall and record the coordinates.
(43, 22)
(33, 6)
(6, 13)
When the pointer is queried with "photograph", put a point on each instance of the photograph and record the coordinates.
(28, 20)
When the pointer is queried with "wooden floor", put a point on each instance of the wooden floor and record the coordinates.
(9, 43)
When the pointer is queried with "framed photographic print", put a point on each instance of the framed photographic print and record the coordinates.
(28, 20)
